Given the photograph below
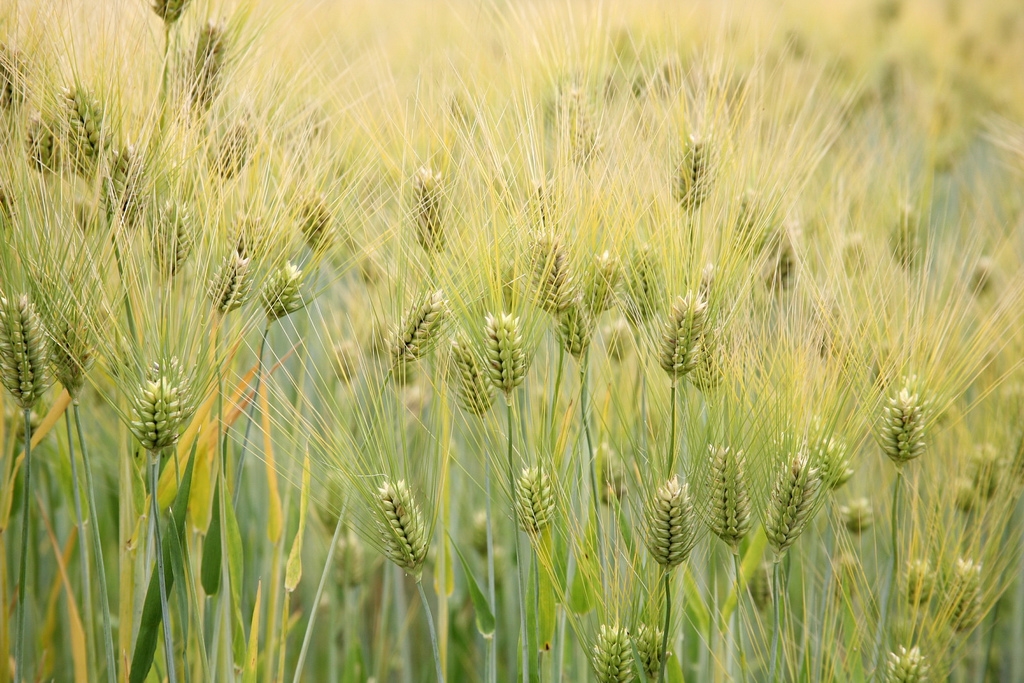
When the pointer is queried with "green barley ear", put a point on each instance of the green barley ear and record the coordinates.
(601, 282)
(986, 467)
(41, 141)
(645, 283)
(790, 506)
(535, 500)
(761, 586)
(575, 125)
(506, 359)
(708, 374)
(475, 391)
(552, 273)
(618, 339)
(317, 223)
(920, 582)
(282, 293)
(905, 238)
(613, 473)
(351, 560)
(648, 646)
(428, 207)
(832, 458)
(7, 209)
(209, 57)
(122, 185)
(419, 328)
(730, 501)
(781, 268)
(693, 177)
(965, 497)
(23, 350)
(234, 150)
(71, 353)
(173, 238)
(162, 405)
(681, 337)
(901, 431)
(984, 276)
(231, 285)
(670, 529)
(170, 10)
(86, 132)
(906, 666)
(612, 655)
(13, 82)
(402, 528)
(857, 515)
(964, 594)
(575, 328)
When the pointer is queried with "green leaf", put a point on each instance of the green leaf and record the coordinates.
(210, 573)
(252, 654)
(484, 615)
(150, 621)
(236, 568)
(586, 583)
(546, 613)
(293, 570)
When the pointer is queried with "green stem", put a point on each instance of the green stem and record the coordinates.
(97, 542)
(672, 440)
(777, 600)
(433, 633)
(248, 424)
(593, 472)
(165, 614)
(328, 566)
(492, 648)
(738, 615)
(519, 573)
(83, 554)
(19, 645)
(668, 624)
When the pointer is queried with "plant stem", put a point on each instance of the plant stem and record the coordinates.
(519, 559)
(777, 595)
(433, 633)
(738, 616)
(97, 541)
(328, 566)
(165, 614)
(19, 646)
(894, 568)
(593, 471)
(668, 624)
(672, 433)
(248, 424)
(492, 647)
(83, 554)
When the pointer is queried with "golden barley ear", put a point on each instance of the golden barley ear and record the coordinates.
(24, 350)
(232, 283)
(402, 529)
(122, 185)
(694, 174)
(601, 283)
(42, 144)
(645, 284)
(612, 655)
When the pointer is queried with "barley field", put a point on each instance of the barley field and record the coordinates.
(499, 340)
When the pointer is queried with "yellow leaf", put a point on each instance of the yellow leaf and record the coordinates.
(293, 570)
(79, 659)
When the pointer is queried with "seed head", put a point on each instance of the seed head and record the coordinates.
(905, 238)
(234, 150)
(832, 458)
(670, 528)
(602, 280)
(857, 515)
(86, 132)
(575, 125)
(23, 350)
(618, 339)
(428, 206)
(173, 237)
(419, 328)
(645, 282)
(708, 374)
(208, 61)
(282, 293)
(901, 431)
(351, 559)
(920, 581)
(613, 473)
(552, 274)
(122, 185)
(41, 140)
(162, 405)
(475, 391)
(71, 352)
(13, 82)
(613, 656)
(402, 528)
(170, 10)
(231, 285)
(506, 359)
(680, 340)
(761, 586)
(986, 469)
(906, 666)
(730, 501)
(535, 500)
(964, 594)
(790, 505)
(575, 328)
(693, 179)
(648, 646)
(316, 222)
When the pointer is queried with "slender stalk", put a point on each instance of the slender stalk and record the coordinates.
(433, 633)
(777, 600)
(593, 470)
(165, 614)
(83, 555)
(328, 566)
(668, 624)
(97, 542)
(492, 648)
(738, 616)
(672, 434)
(19, 645)
(519, 559)
(248, 424)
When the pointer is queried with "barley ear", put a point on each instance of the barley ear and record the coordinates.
(964, 594)
(730, 500)
(419, 328)
(173, 237)
(601, 282)
(648, 646)
(231, 285)
(170, 10)
(694, 175)
(428, 207)
(506, 359)
(535, 500)
(906, 666)
(23, 350)
(670, 528)
(402, 528)
(790, 506)
(161, 406)
(680, 340)
(475, 391)
(281, 294)
(902, 430)
(85, 130)
(575, 328)
(612, 655)
(552, 273)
